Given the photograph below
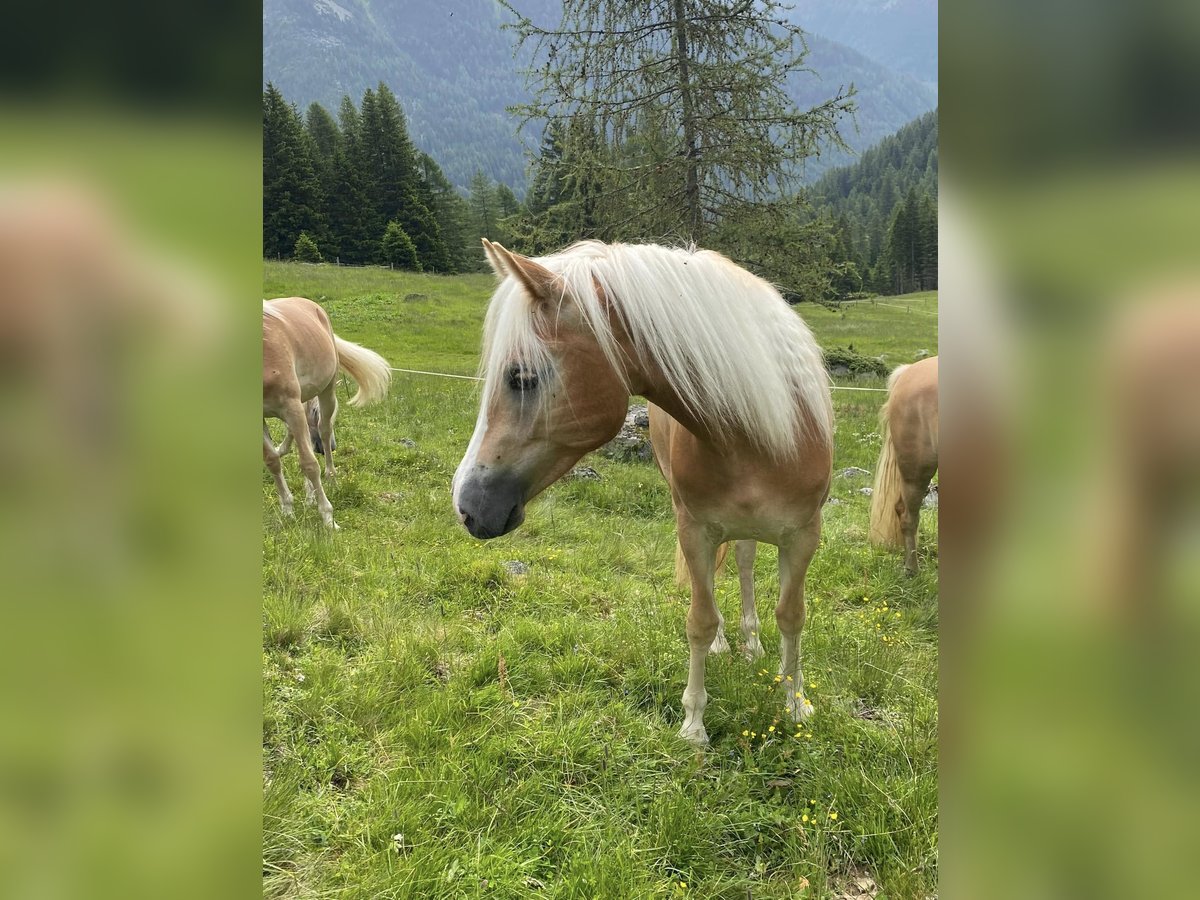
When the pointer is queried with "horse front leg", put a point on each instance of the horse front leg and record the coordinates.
(699, 549)
(912, 494)
(794, 557)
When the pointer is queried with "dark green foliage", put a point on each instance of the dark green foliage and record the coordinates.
(909, 260)
(306, 249)
(292, 194)
(344, 180)
(453, 216)
(837, 358)
(397, 248)
(893, 248)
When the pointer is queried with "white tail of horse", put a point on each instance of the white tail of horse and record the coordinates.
(367, 368)
(683, 576)
(885, 528)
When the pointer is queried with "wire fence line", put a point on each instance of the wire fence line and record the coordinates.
(836, 387)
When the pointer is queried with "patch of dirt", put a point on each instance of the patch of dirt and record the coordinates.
(857, 884)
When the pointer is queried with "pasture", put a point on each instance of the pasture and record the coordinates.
(449, 718)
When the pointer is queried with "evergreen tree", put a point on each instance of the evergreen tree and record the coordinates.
(484, 210)
(397, 248)
(356, 226)
(306, 249)
(292, 196)
(506, 201)
(323, 130)
(453, 216)
(392, 180)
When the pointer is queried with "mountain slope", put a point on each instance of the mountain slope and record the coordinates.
(900, 34)
(452, 66)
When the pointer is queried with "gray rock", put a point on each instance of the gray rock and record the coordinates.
(406, 442)
(833, 501)
(921, 354)
(852, 472)
(632, 443)
(839, 370)
(931, 499)
(516, 567)
(586, 473)
(866, 491)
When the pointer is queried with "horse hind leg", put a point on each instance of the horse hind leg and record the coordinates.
(720, 643)
(744, 552)
(329, 408)
(794, 558)
(297, 423)
(271, 458)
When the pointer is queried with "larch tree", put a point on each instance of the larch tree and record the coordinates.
(712, 75)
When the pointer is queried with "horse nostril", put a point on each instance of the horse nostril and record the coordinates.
(467, 519)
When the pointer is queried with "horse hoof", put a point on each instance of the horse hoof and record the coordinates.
(799, 707)
(720, 644)
(695, 735)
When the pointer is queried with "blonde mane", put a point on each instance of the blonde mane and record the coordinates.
(728, 344)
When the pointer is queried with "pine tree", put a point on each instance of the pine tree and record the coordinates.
(392, 180)
(306, 249)
(323, 130)
(397, 248)
(355, 225)
(484, 211)
(453, 216)
(292, 196)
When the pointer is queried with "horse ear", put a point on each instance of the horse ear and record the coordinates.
(541, 283)
(494, 259)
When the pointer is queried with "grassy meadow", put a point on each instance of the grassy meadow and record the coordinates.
(437, 726)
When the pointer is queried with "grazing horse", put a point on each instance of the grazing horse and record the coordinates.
(909, 458)
(301, 358)
(312, 411)
(741, 401)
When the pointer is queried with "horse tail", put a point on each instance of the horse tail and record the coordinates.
(367, 368)
(885, 523)
(682, 577)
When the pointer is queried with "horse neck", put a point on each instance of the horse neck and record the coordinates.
(647, 380)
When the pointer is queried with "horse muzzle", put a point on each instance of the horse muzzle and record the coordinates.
(490, 504)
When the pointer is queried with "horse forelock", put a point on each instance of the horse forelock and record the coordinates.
(726, 341)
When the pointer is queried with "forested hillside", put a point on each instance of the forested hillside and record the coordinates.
(885, 207)
(454, 70)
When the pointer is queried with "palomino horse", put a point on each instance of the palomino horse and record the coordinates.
(301, 358)
(312, 411)
(743, 411)
(909, 420)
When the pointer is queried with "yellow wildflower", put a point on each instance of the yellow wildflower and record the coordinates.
(833, 816)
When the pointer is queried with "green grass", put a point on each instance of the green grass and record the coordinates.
(519, 732)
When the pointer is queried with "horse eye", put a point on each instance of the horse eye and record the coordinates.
(521, 380)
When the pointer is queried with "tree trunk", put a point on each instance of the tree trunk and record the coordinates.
(691, 151)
